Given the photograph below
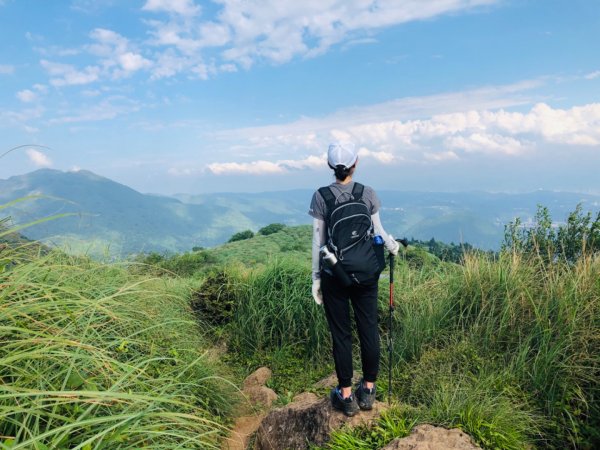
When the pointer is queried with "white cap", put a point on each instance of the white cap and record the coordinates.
(342, 153)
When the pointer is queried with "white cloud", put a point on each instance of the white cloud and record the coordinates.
(441, 156)
(238, 34)
(486, 143)
(131, 62)
(38, 158)
(312, 162)
(106, 109)
(490, 126)
(119, 58)
(592, 75)
(68, 75)
(26, 95)
(250, 168)
(21, 118)
(277, 31)
(182, 172)
(6, 69)
(182, 7)
(382, 157)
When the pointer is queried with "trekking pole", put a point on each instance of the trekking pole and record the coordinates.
(404, 242)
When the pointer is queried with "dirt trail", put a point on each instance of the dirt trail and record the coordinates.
(257, 399)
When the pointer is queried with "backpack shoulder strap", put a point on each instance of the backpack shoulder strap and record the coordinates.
(357, 191)
(328, 197)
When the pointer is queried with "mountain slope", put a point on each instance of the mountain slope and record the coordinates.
(115, 219)
(109, 213)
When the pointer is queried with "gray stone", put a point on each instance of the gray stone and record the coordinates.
(308, 419)
(257, 378)
(260, 397)
(428, 437)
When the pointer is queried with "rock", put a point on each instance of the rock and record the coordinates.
(256, 397)
(332, 381)
(308, 419)
(257, 378)
(243, 429)
(428, 437)
(260, 396)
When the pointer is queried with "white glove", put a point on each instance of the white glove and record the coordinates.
(316, 292)
(392, 245)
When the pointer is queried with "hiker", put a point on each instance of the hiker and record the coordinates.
(348, 235)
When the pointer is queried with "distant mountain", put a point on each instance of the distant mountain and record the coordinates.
(117, 220)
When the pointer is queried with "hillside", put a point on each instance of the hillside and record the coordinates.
(504, 348)
(116, 220)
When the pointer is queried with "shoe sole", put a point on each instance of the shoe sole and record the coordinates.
(348, 414)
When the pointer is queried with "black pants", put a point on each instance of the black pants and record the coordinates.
(337, 309)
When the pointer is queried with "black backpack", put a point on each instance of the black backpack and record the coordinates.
(350, 235)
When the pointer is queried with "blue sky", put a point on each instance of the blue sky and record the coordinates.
(190, 96)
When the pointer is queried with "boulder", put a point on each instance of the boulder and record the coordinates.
(308, 419)
(257, 378)
(260, 397)
(428, 437)
(256, 398)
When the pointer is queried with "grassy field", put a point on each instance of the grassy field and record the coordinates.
(118, 355)
(507, 350)
(93, 357)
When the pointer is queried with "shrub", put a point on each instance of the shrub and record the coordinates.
(242, 235)
(563, 243)
(216, 300)
(271, 229)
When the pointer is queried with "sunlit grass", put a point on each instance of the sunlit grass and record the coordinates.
(93, 357)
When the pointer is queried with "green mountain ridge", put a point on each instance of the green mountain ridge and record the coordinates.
(111, 218)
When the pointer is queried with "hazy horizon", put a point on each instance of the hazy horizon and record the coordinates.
(311, 188)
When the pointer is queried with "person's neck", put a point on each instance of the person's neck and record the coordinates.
(346, 181)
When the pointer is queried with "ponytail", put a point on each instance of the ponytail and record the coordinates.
(342, 172)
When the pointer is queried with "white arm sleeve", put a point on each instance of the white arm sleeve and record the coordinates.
(318, 241)
(378, 228)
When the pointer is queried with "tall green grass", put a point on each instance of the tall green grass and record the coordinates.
(506, 348)
(508, 344)
(276, 309)
(93, 357)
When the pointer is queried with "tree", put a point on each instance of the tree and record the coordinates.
(577, 237)
(270, 229)
(246, 234)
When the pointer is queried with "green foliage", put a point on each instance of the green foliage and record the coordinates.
(568, 242)
(275, 309)
(291, 242)
(184, 265)
(242, 235)
(94, 357)
(502, 347)
(271, 229)
(393, 423)
(215, 301)
(446, 252)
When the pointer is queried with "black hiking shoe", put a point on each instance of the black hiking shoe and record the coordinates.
(364, 397)
(346, 405)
